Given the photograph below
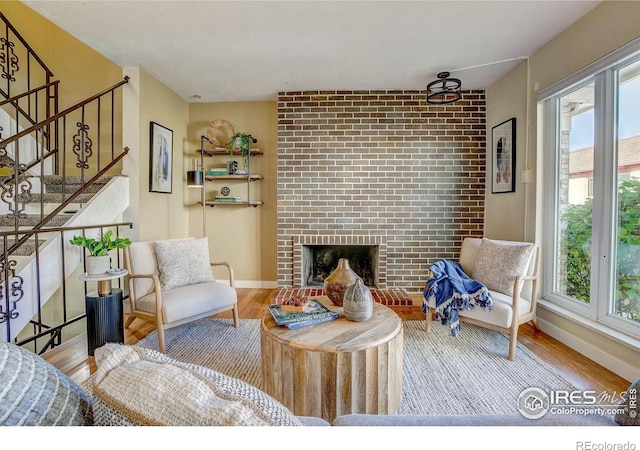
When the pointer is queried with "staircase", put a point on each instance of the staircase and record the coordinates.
(59, 176)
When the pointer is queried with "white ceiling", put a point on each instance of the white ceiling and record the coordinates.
(251, 50)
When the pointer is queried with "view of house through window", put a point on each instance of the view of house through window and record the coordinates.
(595, 134)
(627, 289)
(575, 151)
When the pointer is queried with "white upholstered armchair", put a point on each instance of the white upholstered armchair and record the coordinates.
(509, 270)
(171, 283)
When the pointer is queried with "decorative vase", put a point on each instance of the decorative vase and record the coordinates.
(339, 280)
(97, 265)
(358, 302)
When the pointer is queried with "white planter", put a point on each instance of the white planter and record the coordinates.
(98, 264)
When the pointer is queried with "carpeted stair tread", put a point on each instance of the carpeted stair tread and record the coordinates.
(31, 220)
(54, 184)
(26, 249)
(58, 197)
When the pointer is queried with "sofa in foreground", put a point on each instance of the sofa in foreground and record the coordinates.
(138, 386)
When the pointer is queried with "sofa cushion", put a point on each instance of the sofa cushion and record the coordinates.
(631, 413)
(500, 262)
(189, 301)
(33, 392)
(183, 262)
(152, 389)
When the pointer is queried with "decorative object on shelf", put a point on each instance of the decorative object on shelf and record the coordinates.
(99, 260)
(232, 167)
(358, 302)
(195, 177)
(219, 133)
(217, 172)
(444, 90)
(160, 158)
(338, 281)
(225, 190)
(241, 142)
(503, 157)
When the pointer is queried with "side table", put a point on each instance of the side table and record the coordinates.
(336, 367)
(104, 310)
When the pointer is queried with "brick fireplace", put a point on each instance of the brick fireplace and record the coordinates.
(383, 169)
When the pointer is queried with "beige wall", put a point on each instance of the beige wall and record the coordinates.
(607, 27)
(160, 215)
(243, 235)
(505, 212)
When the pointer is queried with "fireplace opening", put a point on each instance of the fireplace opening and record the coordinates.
(320, 260)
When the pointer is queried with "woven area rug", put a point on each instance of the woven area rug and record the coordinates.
(468, 374)
(387, 297)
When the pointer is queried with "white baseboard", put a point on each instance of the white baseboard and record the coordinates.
(602, 357)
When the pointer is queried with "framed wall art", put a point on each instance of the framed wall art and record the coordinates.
(503, 157)
(161, 158)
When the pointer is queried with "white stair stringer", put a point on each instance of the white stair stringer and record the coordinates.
(28, 145)
(106, 206)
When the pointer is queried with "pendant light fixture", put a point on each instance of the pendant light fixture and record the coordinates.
(444, 90)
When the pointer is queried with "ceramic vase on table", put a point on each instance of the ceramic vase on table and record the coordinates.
(358, 302)
(339, 280)
(97, 265)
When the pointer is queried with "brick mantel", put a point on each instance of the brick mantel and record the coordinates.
(384, 166)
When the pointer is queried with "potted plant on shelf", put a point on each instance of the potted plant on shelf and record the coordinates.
(99, 260)
(240, 141)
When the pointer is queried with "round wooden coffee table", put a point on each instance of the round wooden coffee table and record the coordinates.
(335, 368)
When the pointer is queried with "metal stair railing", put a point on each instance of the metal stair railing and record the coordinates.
(79, 127)
(37, 142)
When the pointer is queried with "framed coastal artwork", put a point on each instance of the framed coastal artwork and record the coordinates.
(503, 157)
(161, 159)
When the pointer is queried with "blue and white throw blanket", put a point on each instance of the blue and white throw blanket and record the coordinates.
(453, 291)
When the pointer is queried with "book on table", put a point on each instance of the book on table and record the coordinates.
(314, 310)
(304, 323)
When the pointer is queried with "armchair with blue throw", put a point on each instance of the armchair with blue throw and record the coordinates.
(492, 285)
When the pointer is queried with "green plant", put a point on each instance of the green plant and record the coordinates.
(102, 245)
(242, 145)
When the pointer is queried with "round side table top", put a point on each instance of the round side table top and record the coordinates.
(108, 275)
(340, 335)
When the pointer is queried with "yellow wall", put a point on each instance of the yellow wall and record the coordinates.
(82, 71)
(606, 28)
(243, 235)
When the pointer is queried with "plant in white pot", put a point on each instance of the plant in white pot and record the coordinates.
(99, 260)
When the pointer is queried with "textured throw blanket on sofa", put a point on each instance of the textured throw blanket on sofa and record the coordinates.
(453, 291)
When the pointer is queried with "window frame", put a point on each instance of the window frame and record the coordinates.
(604, 74)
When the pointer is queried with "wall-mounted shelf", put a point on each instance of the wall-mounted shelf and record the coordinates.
(222, 151)
(251, 177)
(241, 203)
(247, 177)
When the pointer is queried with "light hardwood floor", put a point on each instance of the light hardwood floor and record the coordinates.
(583, 373)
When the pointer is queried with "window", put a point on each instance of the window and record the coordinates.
(592, 191)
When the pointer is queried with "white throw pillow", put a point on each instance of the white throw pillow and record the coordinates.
(149, 388)
(500, 262)
(183, 261)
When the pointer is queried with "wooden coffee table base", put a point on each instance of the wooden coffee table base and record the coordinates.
(335, 368)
